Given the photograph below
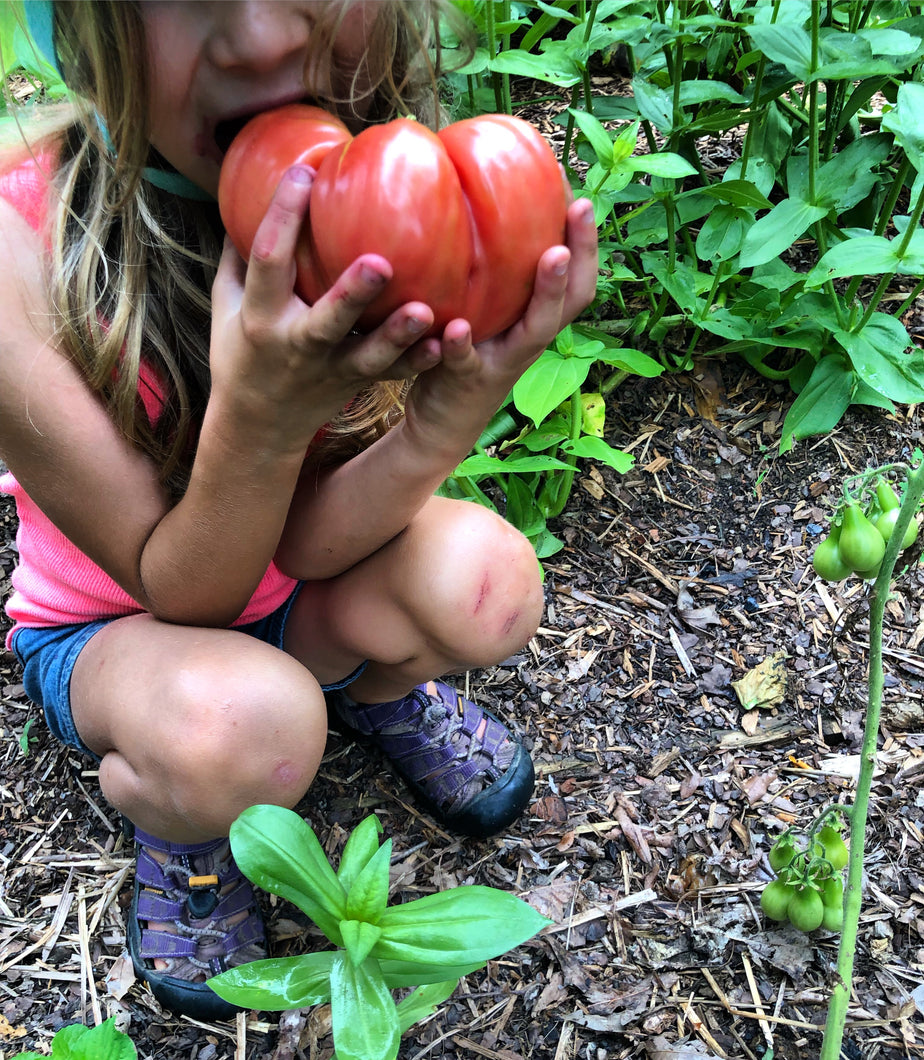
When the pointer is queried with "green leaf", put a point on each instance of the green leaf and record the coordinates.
(360, 847)
(776, 231)
(399, 974)
(593, 414)
(821, 403)
(663, 164)
(851, 175)
(359, 937)
(547, 383)
(368, 895)
(363, 1013)
(866, 256)
(739, 193)
(788, 43)
(633, 361)
(522, 510)
(462, 924)
(277, 983)
(722, 233)
(104, 1042)
(481, 464)
(423, 1002)
(597, 135)
(278, 851)
(654, 104)
(878, 356)
(588, 447)
(555, 66)
(904, 122)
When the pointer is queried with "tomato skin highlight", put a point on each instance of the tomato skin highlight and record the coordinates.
(806, 909)
(774, 900)
(462, 216)
(861, 545)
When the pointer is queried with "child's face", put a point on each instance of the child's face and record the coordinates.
(214, 62)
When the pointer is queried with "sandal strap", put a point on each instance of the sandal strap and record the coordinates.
(185, 943)
(159, 905)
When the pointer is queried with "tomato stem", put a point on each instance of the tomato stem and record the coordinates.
(840, 995)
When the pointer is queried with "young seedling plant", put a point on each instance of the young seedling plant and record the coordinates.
(872, 527)
(427, 943)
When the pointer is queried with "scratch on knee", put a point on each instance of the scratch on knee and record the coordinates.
(512, 619)
(482, 593)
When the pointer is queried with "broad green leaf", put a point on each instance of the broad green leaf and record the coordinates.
(547, 383)
(722, 233)
(788, 43)
(501, 425)
(555, 66)
(360, 847)
(363, 1014)
(850, 175)
(821, 403)
(739, 193)
(663, 164)
(599, 138)
(399, 974)
(776, 231)
(654, 104)
(878, 356)
(462, 924)
(277, 983)
(593, 414)
(359, 937)
(865, 256)
(587, 447)
(758, 172)
(522, 510)
(423, 1002)
(633, 361)
(693, 93)
(481, 464)
(904, 122)
(368, 894)
(278, 851)
(104, 1042)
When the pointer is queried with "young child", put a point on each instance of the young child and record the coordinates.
(227, 521)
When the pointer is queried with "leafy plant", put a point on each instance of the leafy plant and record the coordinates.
(427, 943)
(78, 1042)
(784, 256)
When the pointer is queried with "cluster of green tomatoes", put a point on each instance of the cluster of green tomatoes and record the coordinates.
(808, 890)
(858, 543)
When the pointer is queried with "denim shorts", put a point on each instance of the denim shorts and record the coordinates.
(48, 655)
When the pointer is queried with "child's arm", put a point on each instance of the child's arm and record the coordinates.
(344, 515)
(279, 372)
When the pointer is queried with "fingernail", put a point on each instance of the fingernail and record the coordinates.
(415, 325)
(587, 209)
(371, 275)
(300, 175)
(561, 267)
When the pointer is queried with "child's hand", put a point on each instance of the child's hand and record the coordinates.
(471, 382)
(290, 366)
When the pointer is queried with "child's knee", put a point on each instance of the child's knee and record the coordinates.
(248, 741)
(489, 581)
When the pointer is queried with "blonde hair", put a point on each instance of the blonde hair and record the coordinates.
(132, 265)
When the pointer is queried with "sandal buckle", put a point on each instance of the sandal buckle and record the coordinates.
(203, 896)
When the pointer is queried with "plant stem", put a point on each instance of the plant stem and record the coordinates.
(566, 480)
(840, 996)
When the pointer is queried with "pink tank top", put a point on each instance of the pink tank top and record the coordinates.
(54, 582)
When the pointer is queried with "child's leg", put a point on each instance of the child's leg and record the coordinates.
(194, 725)
(459, 588)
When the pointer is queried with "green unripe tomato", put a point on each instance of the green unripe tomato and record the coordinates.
(885, 524)
(781, 854)
(887, 497)
(774, 900)
(832, 899)
(806, 909)
(827, 562)
(861, 545)
(829, 845)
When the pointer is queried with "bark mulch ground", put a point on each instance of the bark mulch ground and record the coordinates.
(658, 795)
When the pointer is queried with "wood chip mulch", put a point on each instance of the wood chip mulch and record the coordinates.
(658, 796)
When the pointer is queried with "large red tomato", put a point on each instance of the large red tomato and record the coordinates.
(462, 216)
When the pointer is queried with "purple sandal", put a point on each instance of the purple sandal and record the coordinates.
(462, 762)
(214, 923)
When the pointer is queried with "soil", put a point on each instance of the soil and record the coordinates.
(658, 794)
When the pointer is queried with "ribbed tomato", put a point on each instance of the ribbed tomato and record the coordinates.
(462, 215)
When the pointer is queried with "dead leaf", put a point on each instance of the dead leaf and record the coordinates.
(765, 685)
(550, 808)
(8, 1031)
(121, 977)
